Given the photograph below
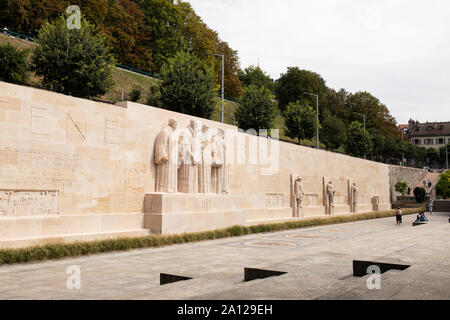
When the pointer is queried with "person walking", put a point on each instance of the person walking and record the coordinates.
(398, 216)
(424, 183)
(429, 183)
(430, 207)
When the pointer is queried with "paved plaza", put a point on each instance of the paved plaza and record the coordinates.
(317, 262)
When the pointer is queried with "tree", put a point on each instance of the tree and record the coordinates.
(13, 64)
(292, 85)
(333, 132)
(300, 120)
(392, 148)
(419, 194)
(377, 115)
(443, 185)
(165, 21)
(257, 109)
(256, 76)
(75, 62)
(135, 94)
(188, 86)
(378, 140)
(402, 188)
(359, 141)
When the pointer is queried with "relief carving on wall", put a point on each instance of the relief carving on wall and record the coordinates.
(191, 160)
(28, 203)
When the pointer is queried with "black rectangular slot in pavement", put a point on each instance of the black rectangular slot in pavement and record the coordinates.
(165, 278)
(360, 267)
(252, 274)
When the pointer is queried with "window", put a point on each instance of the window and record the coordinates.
(417, 141)
(429, 141)
(440, 141)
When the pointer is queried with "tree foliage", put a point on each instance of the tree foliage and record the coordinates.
(332, 133)
(188, 86)
(419, 194)
(292, 85)
(359, 141)
(256, 76)
(75, 62)
(401, 187)
(443, 185)
(13, 64)
(300, 120)
(257, 109)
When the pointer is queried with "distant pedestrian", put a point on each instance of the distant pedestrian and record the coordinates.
(430, 207)
(398, 216)
(409, 191)
(429, 183)
(424, 183)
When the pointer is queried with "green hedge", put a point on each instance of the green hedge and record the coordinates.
(76, 249)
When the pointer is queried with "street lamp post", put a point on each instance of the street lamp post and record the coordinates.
(317, 116)
(223, 73)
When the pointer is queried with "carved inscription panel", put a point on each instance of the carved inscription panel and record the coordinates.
(274, 200)
(23, 168)
(28, 203)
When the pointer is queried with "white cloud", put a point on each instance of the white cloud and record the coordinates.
(397, 50)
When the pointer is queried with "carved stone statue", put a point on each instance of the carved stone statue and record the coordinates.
(330, 194)
(218, 162)
(354, 194)
(299, 195)
(204, 172)
(166, 159)
(353, 197)
(190, 158)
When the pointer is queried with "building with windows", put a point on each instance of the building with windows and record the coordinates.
(428, 135)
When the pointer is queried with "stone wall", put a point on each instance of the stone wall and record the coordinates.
(409, 175)
(72, 166)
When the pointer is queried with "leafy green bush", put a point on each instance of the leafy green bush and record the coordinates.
(443, 185)
(75, 62)
(301, 120)
(419, 194)
(13, 64)
(135, 94)
(257, 109)
(188, 86)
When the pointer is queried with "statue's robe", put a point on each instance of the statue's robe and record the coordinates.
(218, 165)
(166, 160)
(190, 155)
(204, 172)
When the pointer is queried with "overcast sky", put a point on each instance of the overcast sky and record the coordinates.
(398, 50)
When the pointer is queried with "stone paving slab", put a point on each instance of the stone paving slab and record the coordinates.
(318, 262)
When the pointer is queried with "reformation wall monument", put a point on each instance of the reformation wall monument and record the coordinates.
(75, 169)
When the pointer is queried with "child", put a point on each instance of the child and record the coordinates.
(430, 207)
(398, 216)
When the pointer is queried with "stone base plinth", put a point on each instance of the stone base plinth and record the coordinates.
(177, 213)
(24, 231)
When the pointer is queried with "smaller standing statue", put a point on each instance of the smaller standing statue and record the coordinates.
(354, 197)
(299, 196)
(330, 196)
(166, 159)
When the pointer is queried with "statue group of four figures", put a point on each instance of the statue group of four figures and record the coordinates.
(191, 160)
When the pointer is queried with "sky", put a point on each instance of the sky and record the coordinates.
(397, 50)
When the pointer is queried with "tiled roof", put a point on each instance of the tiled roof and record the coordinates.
(431, 129)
